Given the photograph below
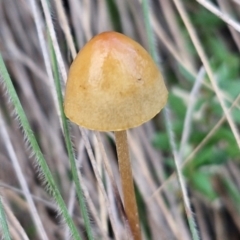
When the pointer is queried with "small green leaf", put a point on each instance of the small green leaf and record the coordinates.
(208, 156)
(201, 182)
(203, 19)
(231, 86)
(161, 141)
(177, 105)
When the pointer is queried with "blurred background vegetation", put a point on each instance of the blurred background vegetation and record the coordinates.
(198, 46)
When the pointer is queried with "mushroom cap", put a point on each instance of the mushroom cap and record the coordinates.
(113, 85)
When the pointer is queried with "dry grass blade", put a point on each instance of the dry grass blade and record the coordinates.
(197, 149)
(15, 227)
(207, 66)
(54, 39)
(151, 184)
(65, 26)
(211, 133)
(225, 17)
(33, 210)
(188, 117)
(227, 8)
(182, 182)
(112, 180)
(190, 35)
(97, 175)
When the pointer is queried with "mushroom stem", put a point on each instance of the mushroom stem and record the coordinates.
(124, 164)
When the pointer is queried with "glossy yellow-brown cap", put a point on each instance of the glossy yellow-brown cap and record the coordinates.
(113, 84)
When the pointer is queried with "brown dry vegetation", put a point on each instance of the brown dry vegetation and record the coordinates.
(214, 193)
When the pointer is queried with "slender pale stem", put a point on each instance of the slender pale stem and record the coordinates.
(129, 198)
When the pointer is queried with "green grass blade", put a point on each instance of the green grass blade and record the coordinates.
(153, 52)
(3, 223)
(150, 35)
(69, 146)
(36, 150)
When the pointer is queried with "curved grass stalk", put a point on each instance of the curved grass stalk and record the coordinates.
(187, 205)
(153, 52)
(75, 173)
(48, 179)
(3, 223)
(23, 183)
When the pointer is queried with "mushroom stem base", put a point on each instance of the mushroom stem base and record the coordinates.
(129, 197)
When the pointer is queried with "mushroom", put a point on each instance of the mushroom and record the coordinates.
(114, 85)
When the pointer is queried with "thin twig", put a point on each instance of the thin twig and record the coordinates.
(225, 17)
